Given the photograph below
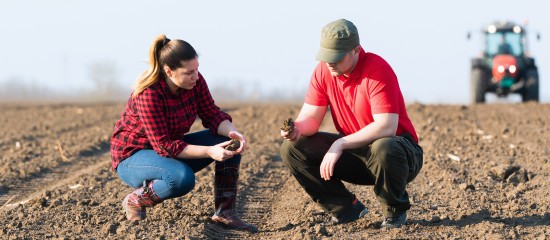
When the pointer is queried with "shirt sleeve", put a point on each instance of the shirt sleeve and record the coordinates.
(384, 91)
(316, 94)
(209, 113)
(151, 112)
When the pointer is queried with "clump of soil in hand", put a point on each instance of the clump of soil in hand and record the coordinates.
(233, 145)
(288, 125)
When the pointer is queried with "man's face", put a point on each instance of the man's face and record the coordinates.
(345, 65)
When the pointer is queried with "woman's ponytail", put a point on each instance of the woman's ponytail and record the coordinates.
(151, 75)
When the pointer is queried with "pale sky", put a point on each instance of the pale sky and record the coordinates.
(259, 45)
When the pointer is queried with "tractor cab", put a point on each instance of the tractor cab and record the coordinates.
(504, 39)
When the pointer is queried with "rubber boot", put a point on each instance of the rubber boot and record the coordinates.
(134, 204)
(225, 198)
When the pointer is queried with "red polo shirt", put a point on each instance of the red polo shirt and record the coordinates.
(371, 88)
(157, 119)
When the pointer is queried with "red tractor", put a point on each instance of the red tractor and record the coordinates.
(505, 66)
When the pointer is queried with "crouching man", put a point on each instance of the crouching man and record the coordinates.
(376, 144)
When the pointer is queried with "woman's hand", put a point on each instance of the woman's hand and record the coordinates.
(219, 153)
(239, 136)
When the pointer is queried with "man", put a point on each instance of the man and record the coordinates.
(376, 144)
(504, 47)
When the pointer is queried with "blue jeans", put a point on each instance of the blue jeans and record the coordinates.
(171, 177)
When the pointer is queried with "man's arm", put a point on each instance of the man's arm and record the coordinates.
(384, 125)
(307, 123)
(310, 118)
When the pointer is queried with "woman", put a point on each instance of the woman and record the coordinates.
(150, 148)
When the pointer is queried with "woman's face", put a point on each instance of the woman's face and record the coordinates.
(185, 76)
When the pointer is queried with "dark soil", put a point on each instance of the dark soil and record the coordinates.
(486, 176)
(233, 145)
(288, 125)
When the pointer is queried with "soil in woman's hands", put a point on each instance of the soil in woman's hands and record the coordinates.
(233, 145)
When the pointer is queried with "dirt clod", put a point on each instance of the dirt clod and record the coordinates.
(288, 125)
(233, 145)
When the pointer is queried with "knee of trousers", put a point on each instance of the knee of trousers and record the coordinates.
(298, 154)
(234, 160)
(388, 152)
(286, 148)
(180, 181)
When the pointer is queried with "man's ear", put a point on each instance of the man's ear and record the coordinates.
(168, 71)
(357, 49)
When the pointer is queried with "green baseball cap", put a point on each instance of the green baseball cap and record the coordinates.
(337, 38)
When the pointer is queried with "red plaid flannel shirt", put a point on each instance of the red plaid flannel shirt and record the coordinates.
(157, 119)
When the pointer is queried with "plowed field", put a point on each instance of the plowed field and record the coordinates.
(486, 176)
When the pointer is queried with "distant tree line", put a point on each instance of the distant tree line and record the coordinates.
(104, 77)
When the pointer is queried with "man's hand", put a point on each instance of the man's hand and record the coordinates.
(330, 159)
(291, 136)
(289, 131)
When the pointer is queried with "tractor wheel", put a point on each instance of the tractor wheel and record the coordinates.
(531, 90)
(478, 84)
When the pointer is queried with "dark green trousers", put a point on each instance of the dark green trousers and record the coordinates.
(388, 164)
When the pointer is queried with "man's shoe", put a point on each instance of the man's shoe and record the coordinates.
(358, 210)
(395, 222)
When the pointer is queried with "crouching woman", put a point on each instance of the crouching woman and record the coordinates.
(152, 149)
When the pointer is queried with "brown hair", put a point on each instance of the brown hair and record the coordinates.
(162, 52)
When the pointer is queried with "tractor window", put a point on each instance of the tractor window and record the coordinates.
(504, 43)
